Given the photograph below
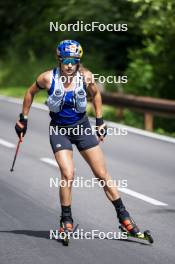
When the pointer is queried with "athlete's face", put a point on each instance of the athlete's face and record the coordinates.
(69, 66)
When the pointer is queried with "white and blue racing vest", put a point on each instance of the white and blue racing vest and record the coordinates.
(57, 93)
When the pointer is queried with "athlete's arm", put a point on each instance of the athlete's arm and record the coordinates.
(97, 102)
(42, 82)
(94, 92)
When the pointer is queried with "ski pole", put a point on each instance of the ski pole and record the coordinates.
(16, 153)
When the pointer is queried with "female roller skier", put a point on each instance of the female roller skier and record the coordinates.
(67, 104)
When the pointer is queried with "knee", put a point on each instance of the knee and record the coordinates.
(67, 175)
(102, 174)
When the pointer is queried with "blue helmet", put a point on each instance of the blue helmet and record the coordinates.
(69, 48)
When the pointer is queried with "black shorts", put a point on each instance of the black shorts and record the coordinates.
(81, 134)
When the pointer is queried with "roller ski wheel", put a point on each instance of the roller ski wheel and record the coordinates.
(66, 228)
(66, 241)
(146, 235)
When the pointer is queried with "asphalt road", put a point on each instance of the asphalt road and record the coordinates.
(29, 208)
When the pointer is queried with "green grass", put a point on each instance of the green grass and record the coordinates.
(13, 91)
(19, 92)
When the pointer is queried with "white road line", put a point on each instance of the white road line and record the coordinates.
(109, 123)
(138, 131)
(124, 190)
(20, 101)
(49, 161)
(143, 132)
(142, 197)
(6, 143)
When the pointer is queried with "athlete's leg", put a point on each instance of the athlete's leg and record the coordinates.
(94, 157)
(64, 159)
(62, 149)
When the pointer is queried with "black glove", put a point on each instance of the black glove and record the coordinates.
(101, 132)
(21, 126)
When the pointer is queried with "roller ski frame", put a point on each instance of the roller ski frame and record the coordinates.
(146, 235)
(67, 234)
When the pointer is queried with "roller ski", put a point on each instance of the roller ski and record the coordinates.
(128, 225)
(66, 229)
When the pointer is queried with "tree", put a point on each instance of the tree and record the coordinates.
(152, 68)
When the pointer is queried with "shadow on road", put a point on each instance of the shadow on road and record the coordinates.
(33, 233)
(45, 234)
